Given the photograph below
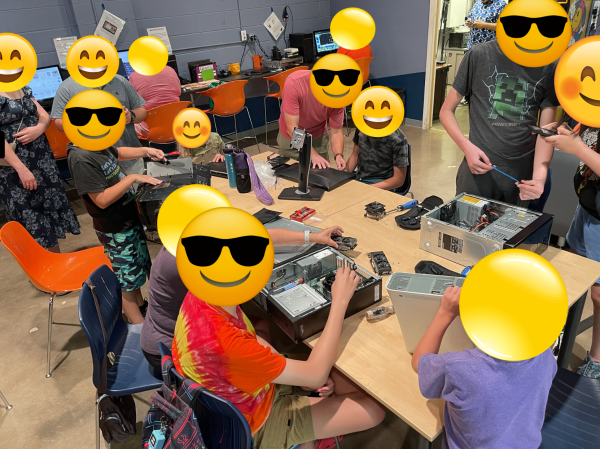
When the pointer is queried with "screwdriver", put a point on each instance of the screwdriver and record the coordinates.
(404, 206)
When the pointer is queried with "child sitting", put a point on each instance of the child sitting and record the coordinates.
(218, 348)
(381, 161)
(110, 200)
(490, 403)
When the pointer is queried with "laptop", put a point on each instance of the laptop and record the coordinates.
(416, 299)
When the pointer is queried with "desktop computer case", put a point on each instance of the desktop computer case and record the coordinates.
(466, 248)
(313, 321)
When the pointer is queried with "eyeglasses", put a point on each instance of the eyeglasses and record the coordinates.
(519, 26)
(204, 251)
(82, 116)
(325, 77)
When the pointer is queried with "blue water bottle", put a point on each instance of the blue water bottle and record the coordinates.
(230, 168)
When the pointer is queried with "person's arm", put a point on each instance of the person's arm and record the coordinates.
(29, 134)
(477, 160)
(314, 372)
(337, 146)
(570, 142)
(140, 115)
(11, 159)
(291, 122)
(110, 195)
(352, 160)
(431, 341)
(533, 189)
(485, 25)
(395, 181)
(285, 237)
(61, 98)
(130, 153)
(266, 344)
(136, 103)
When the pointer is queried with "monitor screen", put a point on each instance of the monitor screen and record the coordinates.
(45, 82)
(123, 55)
(324, 43)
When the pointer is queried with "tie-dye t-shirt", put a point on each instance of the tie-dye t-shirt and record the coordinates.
(221, 353)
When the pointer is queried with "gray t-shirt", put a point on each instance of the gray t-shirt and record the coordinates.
(504, 98)
(121, 89)
(490, 403)
(166, 292)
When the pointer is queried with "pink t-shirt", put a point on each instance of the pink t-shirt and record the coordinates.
(159, 89)
(298, 100)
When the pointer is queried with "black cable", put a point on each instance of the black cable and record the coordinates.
(243, 54)
(285, 29)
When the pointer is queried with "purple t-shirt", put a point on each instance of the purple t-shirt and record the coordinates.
(166, 292)
(490, 403)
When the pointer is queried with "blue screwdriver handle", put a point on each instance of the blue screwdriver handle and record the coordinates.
(409, 205)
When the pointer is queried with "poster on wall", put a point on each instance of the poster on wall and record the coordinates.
(62, 45)
(110, 27)
(161, 33)
(578, 14)
(594, 22)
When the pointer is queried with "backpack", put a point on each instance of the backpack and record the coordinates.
(172, 414)
(117, 413)
(245, 175)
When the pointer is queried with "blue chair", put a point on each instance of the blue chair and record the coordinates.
(223, 426)
(130, 372)
(572, 412)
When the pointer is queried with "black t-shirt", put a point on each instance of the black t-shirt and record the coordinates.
(94, 172)
(587, 183)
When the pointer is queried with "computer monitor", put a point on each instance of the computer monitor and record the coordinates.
(123, 55)
(45, 82)
(324, 43)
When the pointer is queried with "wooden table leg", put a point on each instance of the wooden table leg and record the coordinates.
(573, 319)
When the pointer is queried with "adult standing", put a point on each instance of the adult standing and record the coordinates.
(157, 90)
(300, 108)
(504, 99)
(30, 186)
(133, 105)
(482, 20)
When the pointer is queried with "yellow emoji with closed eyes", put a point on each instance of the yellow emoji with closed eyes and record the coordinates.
(378, 111)
(18, 62)
(92, 61)
(191, 128)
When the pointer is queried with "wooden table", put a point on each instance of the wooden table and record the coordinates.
(373, 355)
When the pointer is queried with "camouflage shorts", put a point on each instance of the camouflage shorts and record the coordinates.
(128, 254)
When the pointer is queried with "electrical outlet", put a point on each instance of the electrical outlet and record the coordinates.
(244, 35)
(253, 37)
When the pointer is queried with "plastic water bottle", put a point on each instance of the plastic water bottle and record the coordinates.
(230, 168)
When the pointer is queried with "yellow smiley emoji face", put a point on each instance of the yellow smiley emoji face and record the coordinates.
(225, 256)
(533, 34)
(576, 22)
(92, 61)
(94, 120)
(378, 111)
(577, 81)
(18, 62)
(191, 128)
(336, 80)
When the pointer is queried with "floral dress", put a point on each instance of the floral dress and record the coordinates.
(45, 212)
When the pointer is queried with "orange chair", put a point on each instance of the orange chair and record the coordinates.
(280, 80)
(58, 143)
(229, 100)
(50, 272)
(160, 121)
(364, 64)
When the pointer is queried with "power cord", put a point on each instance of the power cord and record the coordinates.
(285, 16)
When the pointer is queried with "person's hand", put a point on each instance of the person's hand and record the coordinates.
(324, 237)
(478, 25)
(344, 286)
(450, 301)
(531, 190)
(341, 162)
(469, 23)
(27, 179)
(326, 390)
(567, 140)
(218, 158)
(155, 155)
(319, 161)
(145, 179)
(127, 115)
(29, 134)
(477, 160)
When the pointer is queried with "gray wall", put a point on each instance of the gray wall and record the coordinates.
(198, 29)
(400, 42)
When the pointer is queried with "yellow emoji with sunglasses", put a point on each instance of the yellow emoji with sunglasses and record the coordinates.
(336, 80)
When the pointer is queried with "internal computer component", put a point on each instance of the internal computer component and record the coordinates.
(380, 263)
(375, 210)
(345, 243)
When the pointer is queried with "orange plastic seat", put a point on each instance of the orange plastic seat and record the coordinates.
(160, 121)
(50, 272)
(58, 141)
(280, 80)
(229, 99)
(364, 64)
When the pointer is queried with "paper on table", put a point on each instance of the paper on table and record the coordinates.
(62, 45)
(109, 27)
(273, 24)
(161, 33)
